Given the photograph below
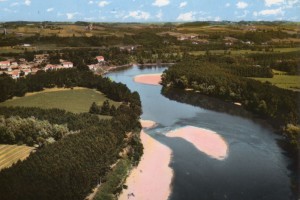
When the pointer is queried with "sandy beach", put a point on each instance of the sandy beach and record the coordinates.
(150, 79)
(152, 178)
(146, 124)
(204, 140)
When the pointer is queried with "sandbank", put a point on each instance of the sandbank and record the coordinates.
(147, 123)
(152, 178)
(150, 79)
(204, 140)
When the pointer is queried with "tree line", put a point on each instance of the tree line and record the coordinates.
(278, 105)
(70, 167)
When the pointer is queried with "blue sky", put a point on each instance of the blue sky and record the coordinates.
(149, 11)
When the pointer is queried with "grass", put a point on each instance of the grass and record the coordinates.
(10, 154)
(114, 181)
(75, 100)
(290, 82)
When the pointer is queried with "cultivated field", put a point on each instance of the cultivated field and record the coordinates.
(10, 154)
(75, 100)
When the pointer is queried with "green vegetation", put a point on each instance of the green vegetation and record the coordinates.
(16, 130)
(75, 100)
(72, 166)
(278, 106)
(113, 185)
(290, 82)
(11, 154)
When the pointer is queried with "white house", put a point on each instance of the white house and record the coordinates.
(67, 64)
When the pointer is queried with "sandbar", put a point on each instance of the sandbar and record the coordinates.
(152, 178)
(204, 140)
(147, 123)
(150, 79)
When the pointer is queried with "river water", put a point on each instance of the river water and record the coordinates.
(256, 167)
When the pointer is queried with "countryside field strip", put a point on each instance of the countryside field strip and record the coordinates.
(10, 154)
(75, 100)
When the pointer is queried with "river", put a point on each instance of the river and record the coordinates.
(255, 168)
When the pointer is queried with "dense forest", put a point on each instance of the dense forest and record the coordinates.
(72, 165)
(278, 106)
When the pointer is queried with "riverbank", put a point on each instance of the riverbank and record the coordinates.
(150, 179)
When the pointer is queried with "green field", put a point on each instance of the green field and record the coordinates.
(75, 100)
(10, 154)
(283, 81)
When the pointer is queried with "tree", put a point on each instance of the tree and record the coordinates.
(105, 109)
(94, 109)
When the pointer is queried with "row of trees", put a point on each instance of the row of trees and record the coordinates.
(105, 109)
(72, 166)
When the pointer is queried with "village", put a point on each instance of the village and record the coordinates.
(22, 67)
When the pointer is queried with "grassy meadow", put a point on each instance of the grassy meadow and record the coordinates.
(10, 154)
(290, 82)
(75, 100)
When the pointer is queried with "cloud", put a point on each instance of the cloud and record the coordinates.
(273, 2)
(241, 5)
(91, 2)
(103, 3)
(182, 4)
(161, 3)
(217, 19)
(50, 9)
(27, 2)
(227, 4)
(138, 15)
(2, 0)
(159, 15)
(14, 4)
(89, 18)
(189, 16)
(277, 11)
(71, 15)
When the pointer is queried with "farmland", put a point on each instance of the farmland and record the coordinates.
(10, 154)
(75, 100)
(290, 82)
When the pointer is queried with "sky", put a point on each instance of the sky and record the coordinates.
(149, 11)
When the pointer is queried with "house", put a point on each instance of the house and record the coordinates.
(14, 74)
(52, 67)
(67, 64)
(26, 71)
(4, 64)
(14, 64)
(92, 67)
(41, 57)
(34, 70)
(100, 59)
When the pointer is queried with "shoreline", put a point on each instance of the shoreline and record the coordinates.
(142, 181)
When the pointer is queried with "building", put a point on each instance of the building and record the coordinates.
(4, 64)
(100, 59)
(14, 74)
(67, 64)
